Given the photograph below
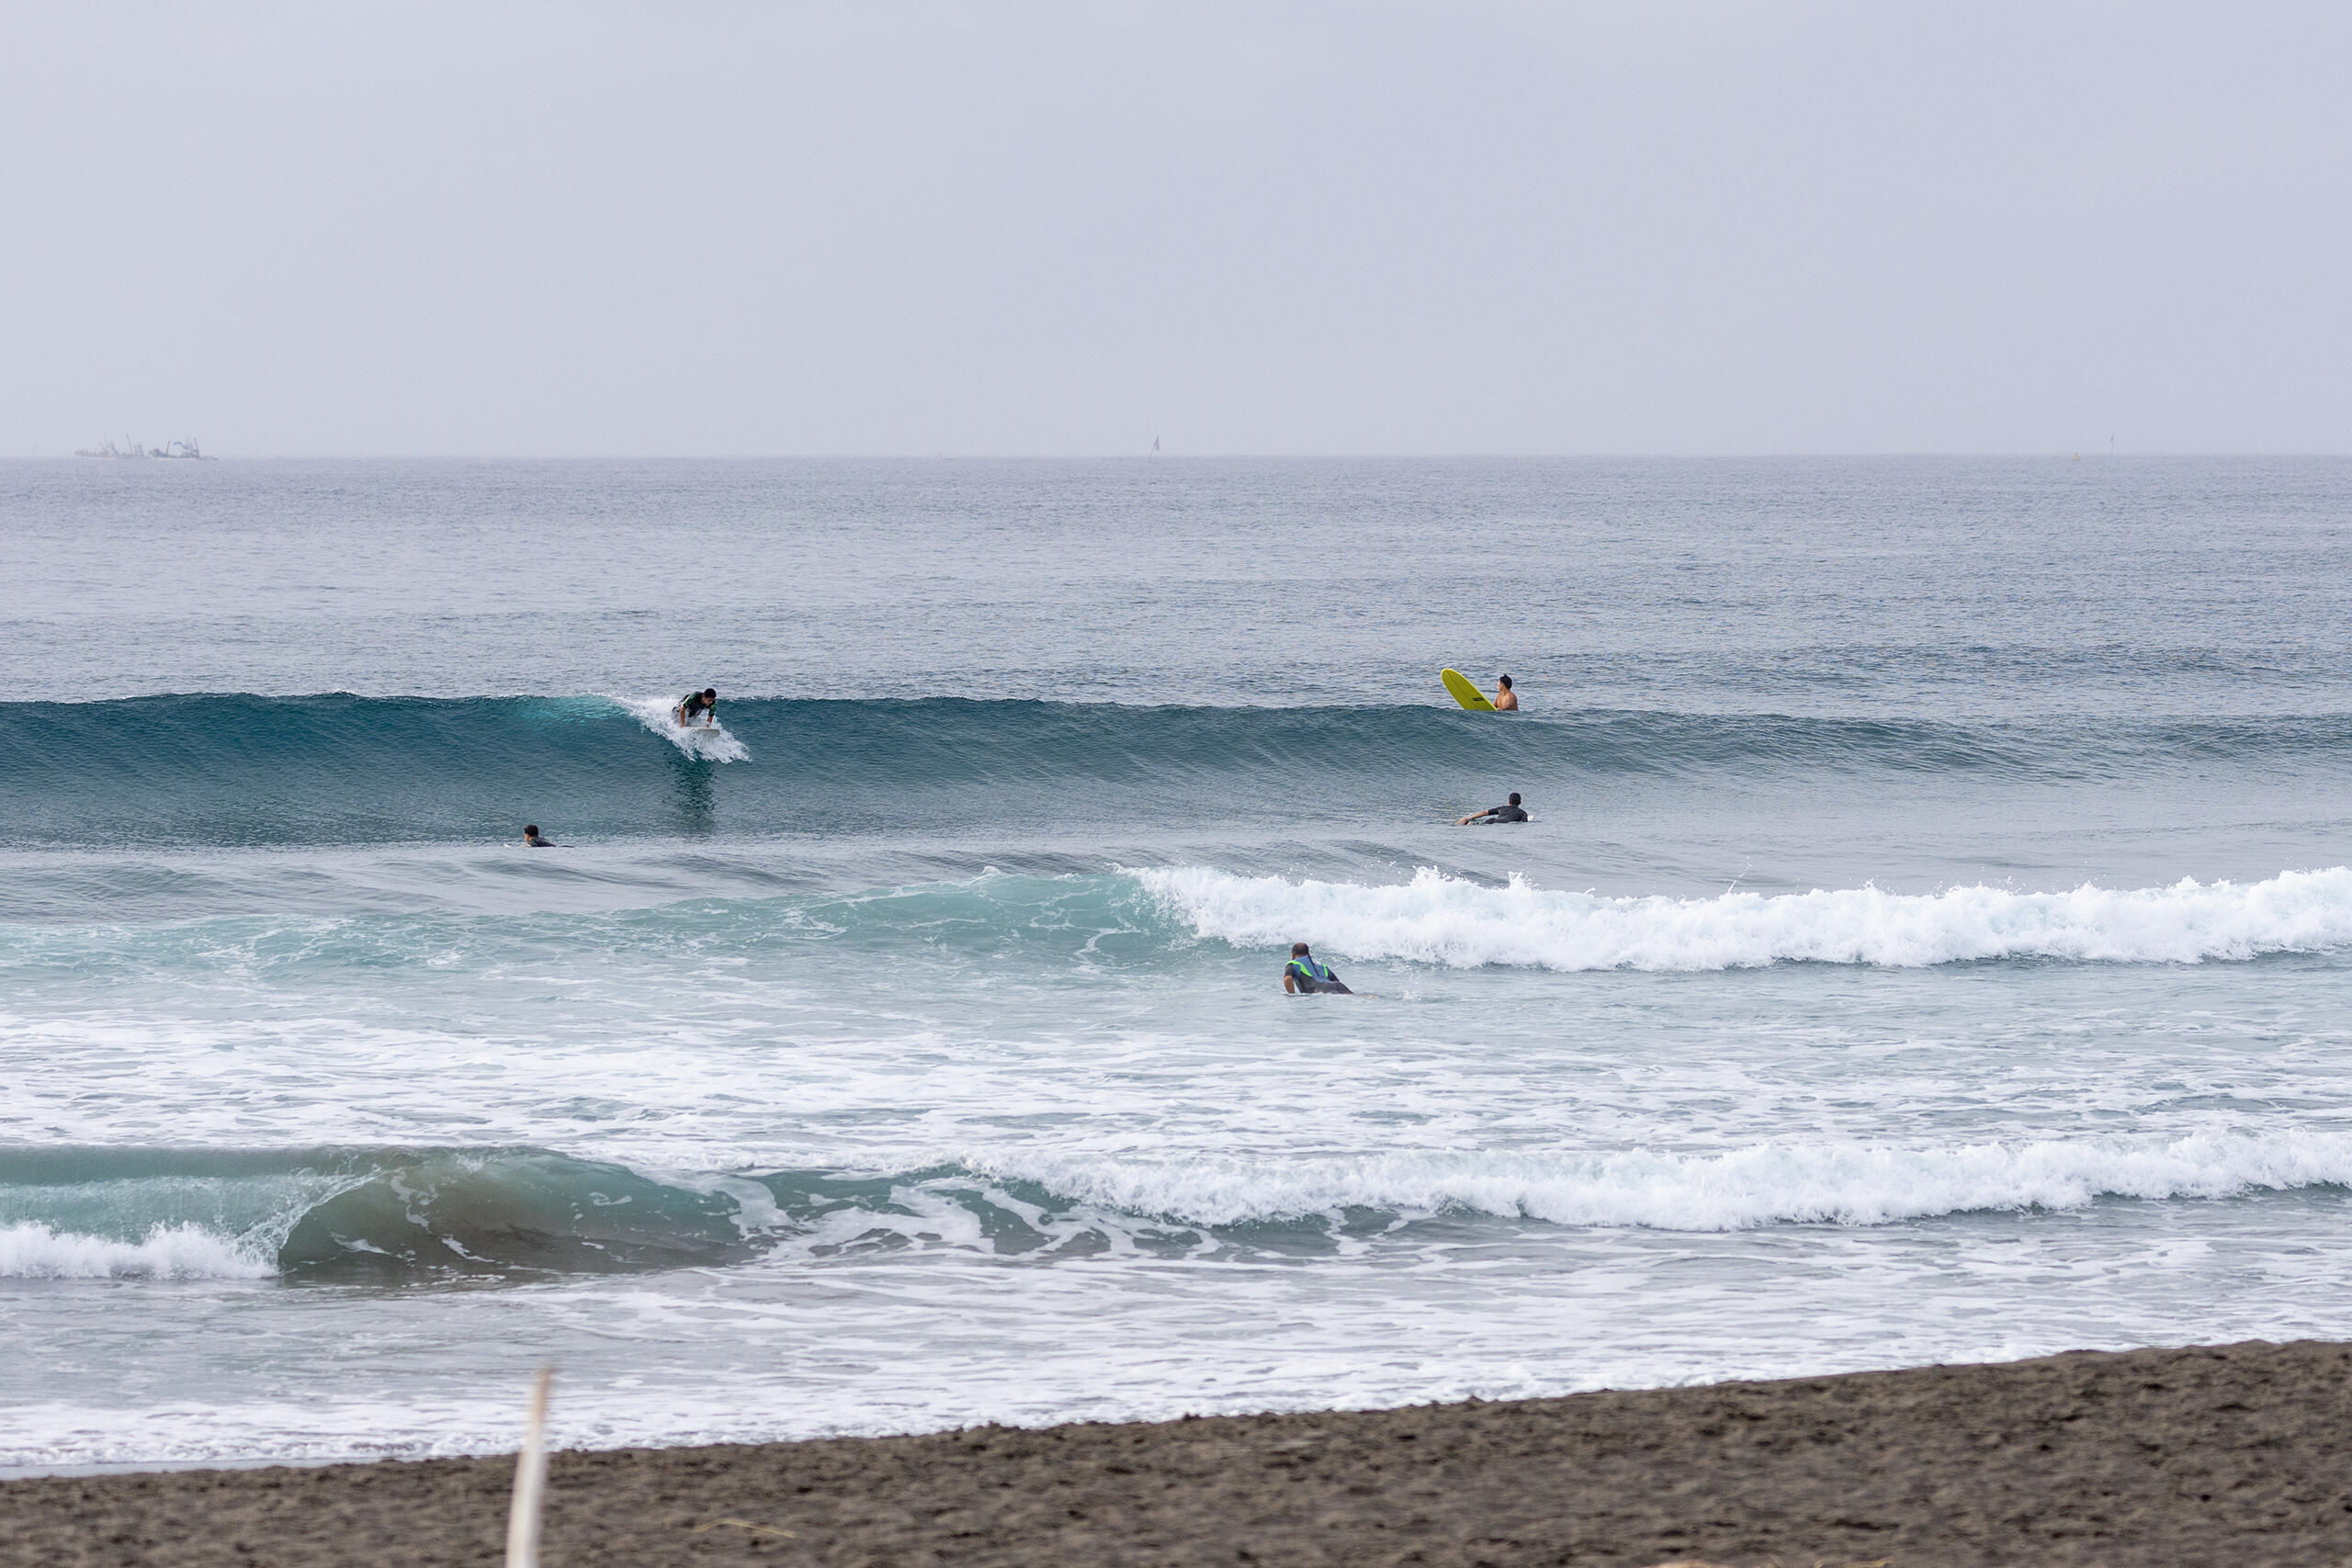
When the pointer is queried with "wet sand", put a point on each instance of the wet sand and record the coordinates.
(2237, 1455)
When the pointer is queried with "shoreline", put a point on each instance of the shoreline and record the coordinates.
(2238, 1454)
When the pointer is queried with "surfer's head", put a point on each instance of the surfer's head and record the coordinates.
(531, 832)
(1514, 797)
(1298, 950)
(1505, 682)
(710, 694)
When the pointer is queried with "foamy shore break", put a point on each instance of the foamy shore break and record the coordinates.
(2234, 1454)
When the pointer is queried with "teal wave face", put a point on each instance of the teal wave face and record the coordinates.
(421, 1216)
(357, 1212)
(396, 1215)
(1099, 920)
(236, 770)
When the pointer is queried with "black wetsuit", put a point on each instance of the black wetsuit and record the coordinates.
(1504, 814)
(695, 706)
(1309, 975)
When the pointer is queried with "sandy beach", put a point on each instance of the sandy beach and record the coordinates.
(2237, 1454)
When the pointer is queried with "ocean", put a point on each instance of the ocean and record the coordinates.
(1932, 942)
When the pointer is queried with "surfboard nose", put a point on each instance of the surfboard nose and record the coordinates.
(1465, 692)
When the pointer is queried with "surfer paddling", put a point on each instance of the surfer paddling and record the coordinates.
(1511, 812)
(531, 838)
(704, 703)
(1302, 976)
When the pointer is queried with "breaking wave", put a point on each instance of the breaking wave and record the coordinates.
(1436, 919)
(1840, 1183)
(419, 1215)
(184, 1251)
(705, 743)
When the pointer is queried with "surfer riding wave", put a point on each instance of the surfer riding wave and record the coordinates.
(705, 740)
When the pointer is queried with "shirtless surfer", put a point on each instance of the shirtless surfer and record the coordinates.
(705, 703)
(1506, 700)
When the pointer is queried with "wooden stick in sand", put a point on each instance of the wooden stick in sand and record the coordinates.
(530, 1479)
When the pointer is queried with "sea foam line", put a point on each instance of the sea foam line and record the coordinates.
(1773, 1183)
(1436, 919)
(31, 1250)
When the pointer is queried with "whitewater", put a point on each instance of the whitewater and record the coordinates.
(1933, 942)
(1435, 919)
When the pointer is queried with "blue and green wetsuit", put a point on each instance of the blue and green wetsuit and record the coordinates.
(1312, 977)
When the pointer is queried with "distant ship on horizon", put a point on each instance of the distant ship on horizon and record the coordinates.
(133, 450)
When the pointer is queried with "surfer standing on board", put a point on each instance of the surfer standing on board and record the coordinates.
(704, 701)
(1302, 974)
(1506, 700)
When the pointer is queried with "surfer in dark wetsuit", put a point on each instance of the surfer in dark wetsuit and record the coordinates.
(704, 703)
(1303, 975)
(531, 838)
(1510, 813)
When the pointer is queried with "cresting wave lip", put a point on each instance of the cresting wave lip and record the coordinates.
(1436, 919)
(240, 1213)
(390, 1213)
(233, 769)
(1740, 1189)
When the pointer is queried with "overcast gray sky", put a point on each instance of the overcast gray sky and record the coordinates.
(729, 227)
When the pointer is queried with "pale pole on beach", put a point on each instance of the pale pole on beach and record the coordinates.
(530, 1479)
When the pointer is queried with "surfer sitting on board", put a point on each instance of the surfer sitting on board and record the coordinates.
(1303, 975)
(1506, 700)
(531, 838)
(705, 703)
(1510, 813)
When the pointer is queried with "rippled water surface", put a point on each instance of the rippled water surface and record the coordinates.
(1931, 942)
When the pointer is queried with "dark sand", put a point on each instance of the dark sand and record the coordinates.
(2238, 1455)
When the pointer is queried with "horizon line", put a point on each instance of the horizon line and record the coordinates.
(1728, 455)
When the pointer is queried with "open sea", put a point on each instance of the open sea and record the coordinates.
(1933, 942)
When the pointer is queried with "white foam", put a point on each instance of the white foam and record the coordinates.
(1440, 920)
(1841, 1183)
(710, 743)
(33, 1251)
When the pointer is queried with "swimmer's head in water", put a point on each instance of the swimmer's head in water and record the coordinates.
(1298, 950)
(1514, 797)
(532, 831)
(1505, 682)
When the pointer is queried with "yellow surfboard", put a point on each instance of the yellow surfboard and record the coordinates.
(1468, 695)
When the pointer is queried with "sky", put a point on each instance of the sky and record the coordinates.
(751, 227)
